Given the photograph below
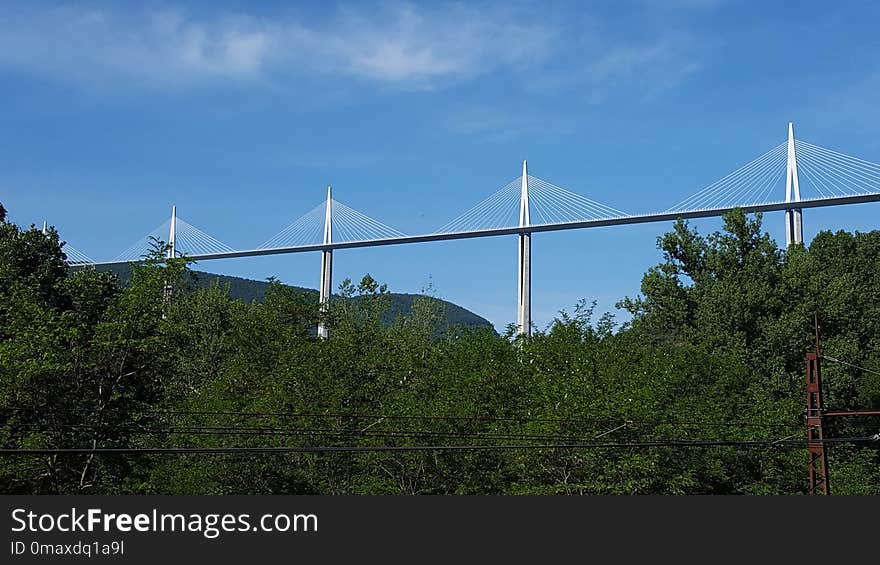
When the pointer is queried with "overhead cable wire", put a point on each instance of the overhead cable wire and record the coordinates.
(851, 173)
(362, 434)
(722, 189)
(719, 185)
(738, 194)
(842, 173)
(348, 225)
(549, 203)
(189, 240)
(360, 226)
(831, 182)
(305, 230)
(74, 256)
(492, 212)
(730, 185)
(361, 416)
(834, 360)
(572, 202)
(196, 241)
(844, 156)
(673, 444)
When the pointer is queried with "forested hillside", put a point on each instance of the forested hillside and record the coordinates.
(249, 290)
(714, 353)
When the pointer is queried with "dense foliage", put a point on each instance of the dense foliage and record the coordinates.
(714, 350)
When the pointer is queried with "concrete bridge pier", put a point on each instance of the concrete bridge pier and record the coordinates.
(524, 270)
(794, 226)
(326, 286)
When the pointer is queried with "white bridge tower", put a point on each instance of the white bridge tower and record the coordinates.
(794, 228)
(524, 281)
(326, 265)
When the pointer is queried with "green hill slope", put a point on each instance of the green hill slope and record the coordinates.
(249, 290)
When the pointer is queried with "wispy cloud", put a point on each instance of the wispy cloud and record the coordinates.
(410, 44)
(601, 70)
(497, 124)
(652, 67)
(158, 47)
(397, 44)
(643, 69)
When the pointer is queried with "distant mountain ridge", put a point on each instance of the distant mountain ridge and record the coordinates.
(249, 290)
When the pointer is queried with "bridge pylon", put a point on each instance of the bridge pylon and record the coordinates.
(168, 290)
(326, 265)
(794, 228)
(172, 233)
(524, 271)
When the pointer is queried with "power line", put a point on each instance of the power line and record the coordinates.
(359, 416)
(287, 432)
(834, 360)
(283, 432)
(422, 448)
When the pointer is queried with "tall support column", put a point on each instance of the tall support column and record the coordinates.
(524, 282)
(794, 229)
(172, 233)
(170, 253)
(326, 265)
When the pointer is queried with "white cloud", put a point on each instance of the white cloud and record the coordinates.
(498, 124)
(655, 67)
(608, 67)
(159, 48)
(455, 42)
(626, 59)
(397, 44)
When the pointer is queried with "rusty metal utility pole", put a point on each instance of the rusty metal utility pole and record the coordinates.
(818, 472)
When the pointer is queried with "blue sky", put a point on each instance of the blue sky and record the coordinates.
(241, 113)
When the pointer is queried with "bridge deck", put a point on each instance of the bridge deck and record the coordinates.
(622, 220)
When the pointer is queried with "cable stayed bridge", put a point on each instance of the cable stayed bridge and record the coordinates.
(813, 176)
